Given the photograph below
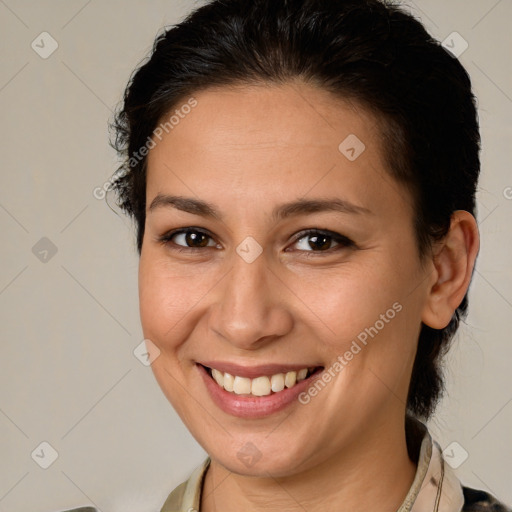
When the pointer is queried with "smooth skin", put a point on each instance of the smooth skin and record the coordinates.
(246, 150)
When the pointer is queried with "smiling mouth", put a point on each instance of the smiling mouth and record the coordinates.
(260, 386)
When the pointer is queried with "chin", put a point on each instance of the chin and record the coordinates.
(245, 458)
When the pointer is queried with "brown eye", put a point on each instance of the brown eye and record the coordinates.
(188, 239)
(195, 239)
(321, 241)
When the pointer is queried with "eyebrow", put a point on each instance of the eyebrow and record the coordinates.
(280, 212)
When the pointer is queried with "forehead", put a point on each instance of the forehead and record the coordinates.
(254, 116)
(265, 140)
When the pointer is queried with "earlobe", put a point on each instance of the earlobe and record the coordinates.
(454, 261)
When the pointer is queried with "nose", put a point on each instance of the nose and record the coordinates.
(250, 309)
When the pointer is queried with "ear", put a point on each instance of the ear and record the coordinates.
(454, 260)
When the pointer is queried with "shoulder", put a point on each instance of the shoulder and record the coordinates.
(481, 501)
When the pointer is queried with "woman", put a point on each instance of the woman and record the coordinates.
(302, 174)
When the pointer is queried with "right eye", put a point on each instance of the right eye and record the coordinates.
(189, 239)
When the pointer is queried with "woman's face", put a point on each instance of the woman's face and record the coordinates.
(251, 292)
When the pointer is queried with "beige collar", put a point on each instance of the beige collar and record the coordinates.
(435, 487)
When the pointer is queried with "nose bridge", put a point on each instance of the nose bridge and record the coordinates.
(248, 309)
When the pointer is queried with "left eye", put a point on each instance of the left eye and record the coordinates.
(320, 241)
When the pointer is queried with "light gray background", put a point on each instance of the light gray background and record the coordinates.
(69, 325)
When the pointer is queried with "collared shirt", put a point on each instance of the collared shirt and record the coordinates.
(435, 487)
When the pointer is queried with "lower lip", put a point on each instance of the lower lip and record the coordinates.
(254, 407)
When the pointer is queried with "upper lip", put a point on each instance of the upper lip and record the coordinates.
(254, 371)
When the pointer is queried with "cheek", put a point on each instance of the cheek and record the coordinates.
(368, 313)
(370, 324)
(163, 298)
(347, 300)
(171, 299)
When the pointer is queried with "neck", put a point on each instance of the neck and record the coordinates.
(375, 475)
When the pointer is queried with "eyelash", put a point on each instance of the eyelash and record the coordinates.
(343, 241)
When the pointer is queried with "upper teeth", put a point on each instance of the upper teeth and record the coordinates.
(260, 386)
